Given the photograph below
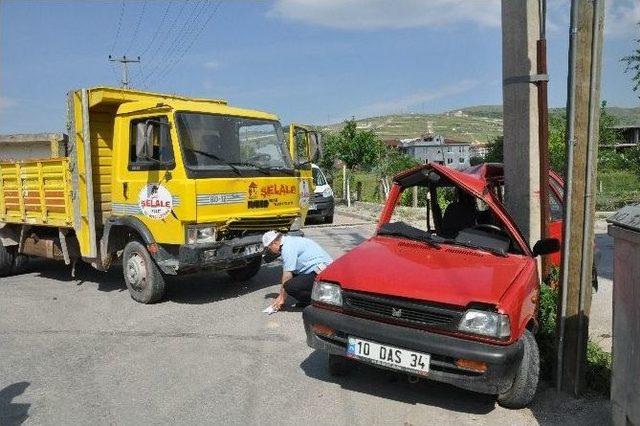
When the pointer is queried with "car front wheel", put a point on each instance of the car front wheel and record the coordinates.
(525, 383)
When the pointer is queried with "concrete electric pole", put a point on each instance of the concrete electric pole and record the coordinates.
(583, 118)
(520, 33)
(125, 68)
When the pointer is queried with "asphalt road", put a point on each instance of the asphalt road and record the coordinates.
(79, 350)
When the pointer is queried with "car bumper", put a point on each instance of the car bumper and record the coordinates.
(502, 361)
(221, 255)
(324, 207)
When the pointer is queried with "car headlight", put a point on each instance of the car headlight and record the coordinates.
(296, 224)
(328, 293)
(201, 234)
(485, 323)
(327, 192)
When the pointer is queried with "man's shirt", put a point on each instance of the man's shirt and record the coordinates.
(303, 256)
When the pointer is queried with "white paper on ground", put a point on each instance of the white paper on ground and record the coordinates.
(269, 310)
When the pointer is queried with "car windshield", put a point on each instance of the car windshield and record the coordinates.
(220, 142)
(318, 177)
(447, 214)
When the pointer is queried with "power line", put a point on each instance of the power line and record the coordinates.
(115, 39)
(169, 50)
(158, 28)
(125, 68)
(193, 40)
(135, 32)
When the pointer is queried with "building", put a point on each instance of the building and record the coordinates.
(630, 136)
(437, 149)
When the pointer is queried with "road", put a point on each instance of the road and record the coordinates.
(79, 350)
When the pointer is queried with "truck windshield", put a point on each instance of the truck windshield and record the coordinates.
(219, 143)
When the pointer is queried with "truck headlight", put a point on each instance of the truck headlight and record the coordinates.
(201, 234)
(485, 323)
(328, 293)
(327, 192)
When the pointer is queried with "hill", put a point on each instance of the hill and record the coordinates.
(475, 124)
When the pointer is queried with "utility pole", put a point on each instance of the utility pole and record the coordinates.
(543, 130)
(520, 32)
(583, 117)
(125, 68)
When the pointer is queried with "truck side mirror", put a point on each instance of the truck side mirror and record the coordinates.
(546, 246)
(314, 144)
(144, 140)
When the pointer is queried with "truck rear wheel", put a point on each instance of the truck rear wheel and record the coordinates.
(6, 260)
(141, 274)
(525, 383)
(246, 272)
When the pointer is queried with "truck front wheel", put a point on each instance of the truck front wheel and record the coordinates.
(246, 272)
(524, 386)
(6, 260)
(143, 277)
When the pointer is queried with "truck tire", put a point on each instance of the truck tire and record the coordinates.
(141, 274)
(525, 382)
(20, 263)
(246, 272)
(6, 260)
(328, 219)
(339, 366)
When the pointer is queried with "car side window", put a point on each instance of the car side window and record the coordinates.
(557, 211)
(150, 144)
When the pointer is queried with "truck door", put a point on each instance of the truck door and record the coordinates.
(304, 149)
(146, 186)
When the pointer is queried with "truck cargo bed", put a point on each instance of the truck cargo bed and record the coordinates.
(36, 192)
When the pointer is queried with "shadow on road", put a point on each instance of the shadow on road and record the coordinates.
(395, 386)
(12, 413)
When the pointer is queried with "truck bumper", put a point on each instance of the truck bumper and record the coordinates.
(502, 361)
(221, 255)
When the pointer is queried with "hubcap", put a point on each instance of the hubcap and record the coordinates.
(136, 271)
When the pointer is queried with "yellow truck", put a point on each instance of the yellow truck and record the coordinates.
(168, 184)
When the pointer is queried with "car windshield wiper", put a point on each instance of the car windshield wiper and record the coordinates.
(261, 169)
(215, 157)
(497, 252)
(424, 238)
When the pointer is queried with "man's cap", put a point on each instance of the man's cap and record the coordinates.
(269, 237)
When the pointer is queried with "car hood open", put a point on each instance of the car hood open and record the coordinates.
(404, 268)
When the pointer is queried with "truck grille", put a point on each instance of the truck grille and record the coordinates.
(261, 224)
(403, 310)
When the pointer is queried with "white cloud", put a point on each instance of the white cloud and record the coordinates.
(6, 103)
(211, 65)
(371, 14)
(407, 102)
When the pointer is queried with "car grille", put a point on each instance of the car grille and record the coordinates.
(261, 224)
(403, 310)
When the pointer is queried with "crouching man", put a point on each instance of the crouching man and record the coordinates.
(302, 260)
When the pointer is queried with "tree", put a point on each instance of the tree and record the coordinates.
(633, 66)
(355, 148)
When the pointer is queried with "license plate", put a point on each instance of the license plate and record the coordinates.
(312, 206)
(388, 356)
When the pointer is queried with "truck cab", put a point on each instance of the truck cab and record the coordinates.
(451, 297)
(170, 184)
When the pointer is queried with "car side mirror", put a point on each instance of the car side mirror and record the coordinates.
(546, 246)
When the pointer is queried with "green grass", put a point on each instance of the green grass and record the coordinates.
(480, 123)
(616, 188)
(598, 361)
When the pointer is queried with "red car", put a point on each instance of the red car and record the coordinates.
(452, 298)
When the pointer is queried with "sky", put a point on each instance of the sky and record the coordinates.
(308, 61)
